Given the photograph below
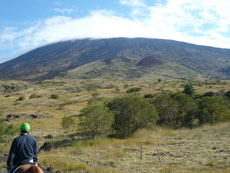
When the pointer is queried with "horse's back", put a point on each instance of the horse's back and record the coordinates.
(28, 168)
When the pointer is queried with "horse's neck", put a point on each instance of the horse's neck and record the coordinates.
(29, 169)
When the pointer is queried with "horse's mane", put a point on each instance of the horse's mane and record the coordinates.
(33, 168)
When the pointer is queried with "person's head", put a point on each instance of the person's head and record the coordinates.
(25, 128)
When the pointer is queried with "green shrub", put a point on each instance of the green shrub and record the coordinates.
(148, 96)
(95, 95)
(109, 86)
(95, 120)
(189, 89)
(135, 89)
(187, 109)
(117, 89)
(131, 113)
(166, 107)
(92, 87)
(8, 88)
(21, 98)
(67, 122)
(126, 86)
(54, 96)
(213, 109)
(32, 96)
(6, 130)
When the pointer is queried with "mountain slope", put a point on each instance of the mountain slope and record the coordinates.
(51, 60)
(126, 69)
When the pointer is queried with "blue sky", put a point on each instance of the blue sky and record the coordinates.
(27, 24)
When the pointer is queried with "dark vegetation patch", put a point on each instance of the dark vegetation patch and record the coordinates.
(50, 83)
(134, 89)
(60, 106)
(34, 95)
(122, 58)
(225, 70)
(54, 96)
(150, 61)
(12, 88)
(181, 109)
(12, 117)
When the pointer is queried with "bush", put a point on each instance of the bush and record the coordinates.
(67, 122)
(189, 90)
(110, 86)
(54, 96)
(8, 88)
(32, 96)
(21, 98)
(187, 108)
(95, 95)
(131, 113)
(126, 86)
(6, 130)
(135, 89)
(213, 109)
(148, 96)
(209, 94)
(92, 87)
(95, 120)
(166, 107)
(227, 94)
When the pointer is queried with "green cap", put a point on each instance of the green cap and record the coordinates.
(25, 127)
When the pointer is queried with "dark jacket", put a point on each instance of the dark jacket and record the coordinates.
(23, 149)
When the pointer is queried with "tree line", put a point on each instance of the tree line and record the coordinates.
(122, 116)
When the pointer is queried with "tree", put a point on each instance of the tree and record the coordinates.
(187, 108)
(166, 107)
(189, 89)
(131, 113)
(95, 120)
(213, 109)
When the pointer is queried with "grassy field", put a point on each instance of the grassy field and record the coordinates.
(203, 149)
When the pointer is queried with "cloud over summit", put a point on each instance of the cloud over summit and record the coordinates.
(205, 22)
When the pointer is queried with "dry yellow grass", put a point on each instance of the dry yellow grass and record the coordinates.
(204, 149)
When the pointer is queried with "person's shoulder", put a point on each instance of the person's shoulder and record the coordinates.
(16, 138)
(32, 137)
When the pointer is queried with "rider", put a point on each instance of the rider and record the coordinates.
(23, 150)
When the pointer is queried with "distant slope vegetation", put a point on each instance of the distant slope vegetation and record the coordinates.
(150, 61)
(52, 60)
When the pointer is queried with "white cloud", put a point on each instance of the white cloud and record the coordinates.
(133, 3)
(203, 22)
(64, 10)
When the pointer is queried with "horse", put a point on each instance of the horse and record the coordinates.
(28, 168)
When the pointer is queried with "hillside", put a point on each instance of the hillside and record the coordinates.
(124, 69)
(52, 60)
